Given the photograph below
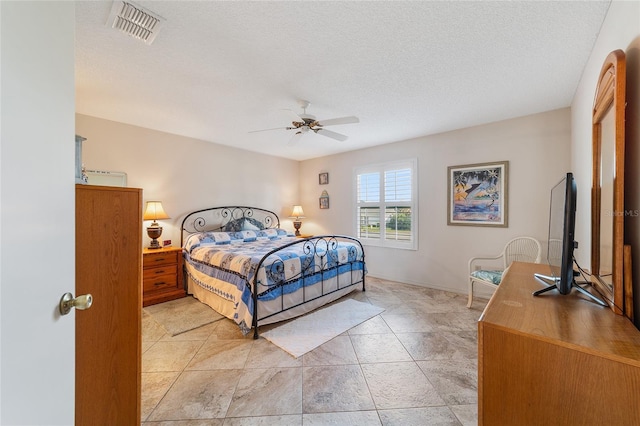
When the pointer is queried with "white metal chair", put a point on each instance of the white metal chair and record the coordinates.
(521, 249)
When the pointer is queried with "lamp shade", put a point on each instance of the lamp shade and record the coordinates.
(154, 211)
(297, 212)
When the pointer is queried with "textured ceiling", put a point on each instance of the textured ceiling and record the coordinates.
(220, 69)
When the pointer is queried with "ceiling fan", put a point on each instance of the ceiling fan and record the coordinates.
(304, 123)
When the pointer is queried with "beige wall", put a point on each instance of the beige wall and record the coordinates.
(188, 174)
(538, 150)
(620, 30)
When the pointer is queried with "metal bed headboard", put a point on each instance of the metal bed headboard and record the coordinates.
(216, 218)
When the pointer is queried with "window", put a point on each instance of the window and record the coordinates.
(386, 204)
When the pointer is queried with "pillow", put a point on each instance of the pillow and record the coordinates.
(251, 224)
(284, 233)
(196, 240)
(248, 236)
(243, 224)
(208, 238)
(270, 233)
(221, 237)
(234, 225)
(492, 276)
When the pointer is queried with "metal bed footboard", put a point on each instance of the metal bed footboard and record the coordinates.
(322, 247)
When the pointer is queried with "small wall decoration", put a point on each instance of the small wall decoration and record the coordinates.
(80, 176)
(106, 178)
(323, 178)
(324, 200)
(477, 194)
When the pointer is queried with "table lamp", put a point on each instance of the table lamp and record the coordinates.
(154, 211)
(296, 214)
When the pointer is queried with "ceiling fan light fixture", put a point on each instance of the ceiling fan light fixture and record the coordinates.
(308, 122)
(135, 21)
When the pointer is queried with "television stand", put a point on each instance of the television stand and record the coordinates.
(546, 279)
(554, 360)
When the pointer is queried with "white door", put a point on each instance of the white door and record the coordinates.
(37, 211)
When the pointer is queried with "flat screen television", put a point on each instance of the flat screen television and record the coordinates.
(561, 242)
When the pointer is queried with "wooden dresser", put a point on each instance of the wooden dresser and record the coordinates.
(554, 359)
(162, 275)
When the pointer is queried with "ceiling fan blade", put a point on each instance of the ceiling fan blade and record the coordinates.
(268, 130)
(332, 135)
(341, 120)
(295, 138)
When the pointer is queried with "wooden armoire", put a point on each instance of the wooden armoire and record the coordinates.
(108, 334)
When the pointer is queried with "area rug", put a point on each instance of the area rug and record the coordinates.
(181, 315)
(312, 330)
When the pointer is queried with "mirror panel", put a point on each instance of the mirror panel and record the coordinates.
(607, 177)
(607, 195)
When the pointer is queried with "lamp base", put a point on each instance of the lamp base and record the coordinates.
(154, 232)
(297, 225)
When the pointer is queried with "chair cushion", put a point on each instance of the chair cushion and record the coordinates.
(490, 276)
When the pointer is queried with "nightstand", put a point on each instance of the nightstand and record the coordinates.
(304, 236)
(162, 275)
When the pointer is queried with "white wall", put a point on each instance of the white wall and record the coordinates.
(188, 174)
(538, 150)
(620, 30)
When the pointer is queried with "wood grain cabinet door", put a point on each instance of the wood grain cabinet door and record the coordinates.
(108, 335)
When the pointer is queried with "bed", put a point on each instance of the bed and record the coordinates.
(243, 265)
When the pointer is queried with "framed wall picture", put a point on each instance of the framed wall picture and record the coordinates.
(324, 200)
(323, 178)
(106, 178)
(477, 194)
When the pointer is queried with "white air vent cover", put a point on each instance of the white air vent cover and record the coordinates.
(134, 20)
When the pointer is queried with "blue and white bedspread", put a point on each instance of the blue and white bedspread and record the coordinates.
(225, 264)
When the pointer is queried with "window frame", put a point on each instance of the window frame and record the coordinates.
(381, 168)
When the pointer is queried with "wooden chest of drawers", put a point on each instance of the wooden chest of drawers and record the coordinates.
(162, 275)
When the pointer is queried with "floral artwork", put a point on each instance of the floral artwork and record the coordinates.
(478, 194)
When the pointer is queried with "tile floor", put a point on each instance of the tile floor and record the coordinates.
(414, 364)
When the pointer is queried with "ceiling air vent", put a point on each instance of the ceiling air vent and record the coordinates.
(135, 21)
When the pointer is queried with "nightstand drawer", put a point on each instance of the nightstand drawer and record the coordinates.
(159, 282)
(152, 273)
(152, 260)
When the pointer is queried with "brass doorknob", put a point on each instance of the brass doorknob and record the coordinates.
(68, 301)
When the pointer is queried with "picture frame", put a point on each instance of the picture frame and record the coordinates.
(324, 200)
(478, 194)
(106, 178)
(323, 178)
(80, 175)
